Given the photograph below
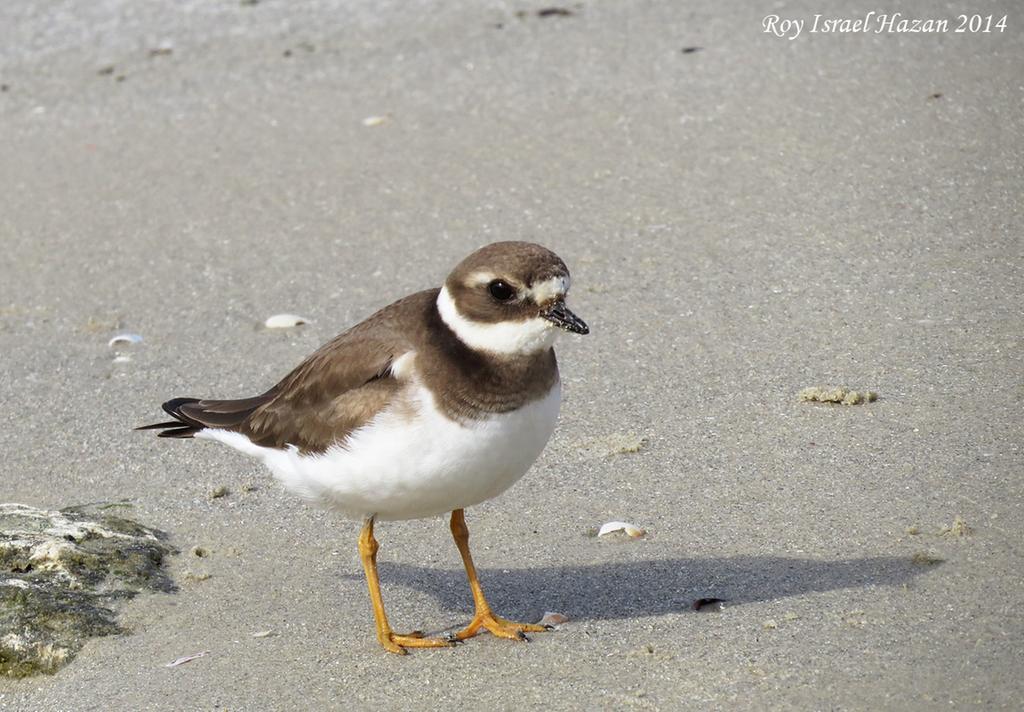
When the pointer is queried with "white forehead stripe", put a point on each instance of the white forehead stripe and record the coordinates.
(507, 338)
(549, 290)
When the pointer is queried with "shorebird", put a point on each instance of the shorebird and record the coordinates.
(435, 403)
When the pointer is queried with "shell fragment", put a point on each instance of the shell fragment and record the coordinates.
(612, 527)
(187, 658)
(285, 321)
(553, 619)
(124, 339)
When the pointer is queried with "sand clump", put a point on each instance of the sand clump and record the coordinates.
(957, 529)
(837, 394)
(613, 444)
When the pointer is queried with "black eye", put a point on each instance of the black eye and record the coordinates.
(501, 291)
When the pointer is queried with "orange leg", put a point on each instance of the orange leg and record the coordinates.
(483, 617)
(392, 642)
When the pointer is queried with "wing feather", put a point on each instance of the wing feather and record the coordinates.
(338, 388)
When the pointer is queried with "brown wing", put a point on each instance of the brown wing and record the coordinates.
(337, 389)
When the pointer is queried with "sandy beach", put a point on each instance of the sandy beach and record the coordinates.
(745, 215)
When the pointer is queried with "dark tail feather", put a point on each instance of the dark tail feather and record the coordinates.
(182, 427)
(192, 415)
(186, 431)
(161, 426)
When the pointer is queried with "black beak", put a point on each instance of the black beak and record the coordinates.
(560, 315)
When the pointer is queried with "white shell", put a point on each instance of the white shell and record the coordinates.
(285, 321)
(612, 527)
(124, 339)
(374, 120)
(551, 618)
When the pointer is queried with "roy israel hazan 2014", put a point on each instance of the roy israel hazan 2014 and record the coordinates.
(879, 23)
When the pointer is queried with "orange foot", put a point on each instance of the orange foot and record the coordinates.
(499, 627)
(397, 642)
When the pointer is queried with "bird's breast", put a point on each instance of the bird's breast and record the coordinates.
(414, 460)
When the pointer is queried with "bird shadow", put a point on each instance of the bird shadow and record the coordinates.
(609, 591)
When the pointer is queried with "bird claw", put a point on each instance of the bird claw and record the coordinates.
(499, 627)
(398, 642)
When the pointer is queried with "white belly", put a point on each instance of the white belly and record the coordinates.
(409, 464)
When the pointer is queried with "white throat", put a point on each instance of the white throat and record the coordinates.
(506, 338)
